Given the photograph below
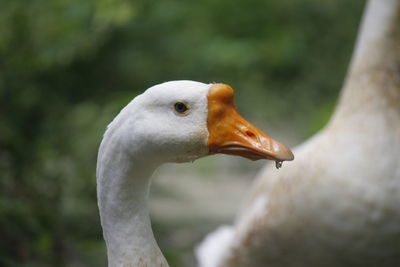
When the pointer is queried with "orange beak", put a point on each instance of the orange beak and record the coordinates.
(231, 134)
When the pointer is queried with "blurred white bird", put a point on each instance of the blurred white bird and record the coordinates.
(338, 203)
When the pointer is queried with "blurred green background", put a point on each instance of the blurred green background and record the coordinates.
(68, 66)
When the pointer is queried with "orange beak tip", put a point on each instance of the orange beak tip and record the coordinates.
(231, 134)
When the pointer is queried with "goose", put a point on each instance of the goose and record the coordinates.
(338, 203)
(175, 121)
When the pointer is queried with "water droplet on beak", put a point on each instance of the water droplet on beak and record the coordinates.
(278, 164)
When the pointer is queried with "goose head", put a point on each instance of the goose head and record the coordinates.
(175, 121)
(181, 121)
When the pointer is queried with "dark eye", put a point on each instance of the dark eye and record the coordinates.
(181, 107)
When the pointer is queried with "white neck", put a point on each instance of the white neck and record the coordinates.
(373, 82)
(123, 186)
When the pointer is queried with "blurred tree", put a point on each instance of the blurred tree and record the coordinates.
(47, 143)
(68, 66)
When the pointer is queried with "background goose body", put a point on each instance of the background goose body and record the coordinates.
(337, 204)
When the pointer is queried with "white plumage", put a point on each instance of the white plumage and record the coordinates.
(176, 121)
(144, 135)
(338, 203)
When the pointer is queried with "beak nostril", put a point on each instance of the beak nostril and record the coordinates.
(250, 134)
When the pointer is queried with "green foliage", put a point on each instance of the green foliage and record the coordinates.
(68, 66)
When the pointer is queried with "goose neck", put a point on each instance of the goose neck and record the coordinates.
(373, 82)
(123, 185)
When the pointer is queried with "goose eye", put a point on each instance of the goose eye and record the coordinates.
(181, 107)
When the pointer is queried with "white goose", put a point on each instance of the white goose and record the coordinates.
(338, 203)
(172, 122)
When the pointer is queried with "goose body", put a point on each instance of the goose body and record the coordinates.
(338, 203)
(176, 121)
